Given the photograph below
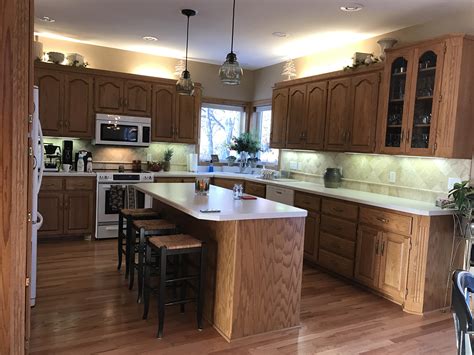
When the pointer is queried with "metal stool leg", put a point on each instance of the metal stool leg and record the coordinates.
(162, 295)
(120, 241)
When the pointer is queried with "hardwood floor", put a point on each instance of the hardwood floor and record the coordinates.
(84, 307)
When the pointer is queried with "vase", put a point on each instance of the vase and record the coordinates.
(243, 162)
(332, 178)
(385, 43)
(253, 160)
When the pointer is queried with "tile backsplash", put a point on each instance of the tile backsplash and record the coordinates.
(417, 178)
(109, 157)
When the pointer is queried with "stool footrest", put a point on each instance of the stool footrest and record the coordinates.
(184, 278)
(183, 301)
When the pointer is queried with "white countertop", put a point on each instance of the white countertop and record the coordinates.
(182, 197)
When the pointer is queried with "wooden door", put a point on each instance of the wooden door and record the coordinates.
(311, 236)
(365, 94)
(394, 253)
(78, 111)
(187, 118)
(367, 256)
(50, 205)
(78, 212)
(279, 116)
(163, 113)
(316, 96)
(425, 95)
(395, 101)
(295, 125)
(108, 95)
(51, 86)
(338, 111)
(137, 98)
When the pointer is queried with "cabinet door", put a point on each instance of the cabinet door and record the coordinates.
(279, 115)
(394, 253)
(316, 96)
(50, 205)
(187, 118)
(163, 114)
(425, 94)
(50, 84)
(337, 121)
(367, 256)
(78, 212)
(137, 98)
(395, 101)
(365, 94)
(295, 125)
(311, 236)
(78, 113)
(226, 183)
(108, 95)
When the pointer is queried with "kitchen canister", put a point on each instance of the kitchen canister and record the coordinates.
(332, 178)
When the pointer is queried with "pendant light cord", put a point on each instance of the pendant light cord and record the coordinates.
(187, 40)
(232, 38)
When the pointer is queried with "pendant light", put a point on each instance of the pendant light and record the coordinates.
(231, 72)
(184, 85)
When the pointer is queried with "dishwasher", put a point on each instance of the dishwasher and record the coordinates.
(280, 194)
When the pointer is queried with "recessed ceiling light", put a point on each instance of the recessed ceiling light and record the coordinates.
(352, 7)
(280, 34)
(150, 38)
(47, 19)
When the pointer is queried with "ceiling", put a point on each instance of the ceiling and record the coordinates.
(312, 25)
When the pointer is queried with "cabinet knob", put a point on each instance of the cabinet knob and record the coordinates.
(383, 220)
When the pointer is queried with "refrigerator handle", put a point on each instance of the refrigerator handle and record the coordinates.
(41, 162)
(39, 222)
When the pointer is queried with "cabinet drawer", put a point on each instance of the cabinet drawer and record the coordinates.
(340, 227)
(336, 245)
(226, 183)
(256, 189)
(336, 263)
(340, 209)
(52, 184)
(307, 201)
(175, 179)
(388, 221)
(77, 183)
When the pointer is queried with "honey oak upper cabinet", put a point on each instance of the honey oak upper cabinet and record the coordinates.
(316, 97)
(187, 118)
(338, 115)
(122, 96)
(279, 117)
(65, 103)
(425, 110)
(296, 117)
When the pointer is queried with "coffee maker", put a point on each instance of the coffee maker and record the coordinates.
(67, 152)
(52, 160)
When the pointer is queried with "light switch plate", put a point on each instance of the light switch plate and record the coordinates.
(392, 177)
(452, 181)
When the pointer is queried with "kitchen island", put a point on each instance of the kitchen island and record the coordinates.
(255, 256)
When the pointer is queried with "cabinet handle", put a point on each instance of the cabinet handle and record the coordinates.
(377, 247)
(66, 124)
(383, 247)
(125, 102)
(408, 136)
(348, 136)
(383, 220)
(335, 209)
(402, 136)
(60, 124)
(120, 102)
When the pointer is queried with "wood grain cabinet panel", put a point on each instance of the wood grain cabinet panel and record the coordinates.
(255, 189)
(175, 179)
(163, 113)
(50, 205)
(51, 96)
(109, 95)
(78, 110)
(336, 263)
(226, 183)
(296, 120)
(316, 97)
(311, 236)
(340, 209)
(187, 117)
(78, 212)
(338, 115)
(367, 256)
(337, 245)
(137, 98)
(364, 106)
(386, 220)
(339, 227)
(279, 118)
(307, 201)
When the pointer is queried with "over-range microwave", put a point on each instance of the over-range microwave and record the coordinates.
(122, 130)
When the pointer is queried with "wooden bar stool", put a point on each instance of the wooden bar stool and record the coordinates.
(181, 245)
(129, 215)
(145, 229)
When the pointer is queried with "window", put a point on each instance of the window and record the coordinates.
(261, 127)
(219, 123)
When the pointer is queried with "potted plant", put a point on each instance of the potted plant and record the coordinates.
(245, 144)
(167, 159)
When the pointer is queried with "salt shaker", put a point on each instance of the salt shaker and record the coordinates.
(241, 190)
(89, 165)
(236, 192)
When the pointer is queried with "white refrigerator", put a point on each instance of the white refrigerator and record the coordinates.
(36, 136)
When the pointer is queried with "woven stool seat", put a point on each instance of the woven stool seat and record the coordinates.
(174, 242)
(153, 224)
(139, 212)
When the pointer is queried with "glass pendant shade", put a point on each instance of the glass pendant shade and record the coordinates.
(184, 85)
(231, 72)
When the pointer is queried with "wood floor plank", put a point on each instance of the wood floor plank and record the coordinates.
(85, 307)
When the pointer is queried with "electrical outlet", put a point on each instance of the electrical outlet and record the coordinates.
(392, 177)
(452, 181)
(293, 165)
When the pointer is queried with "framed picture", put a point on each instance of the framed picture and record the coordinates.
(214, 158)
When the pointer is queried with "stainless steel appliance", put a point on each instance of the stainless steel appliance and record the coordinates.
(122, 130)
(52, 161)
(115, 190)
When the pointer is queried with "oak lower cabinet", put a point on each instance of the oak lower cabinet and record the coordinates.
(255, 189)
(175, 179)
(312, 204)
(226, 183)
(67, 205)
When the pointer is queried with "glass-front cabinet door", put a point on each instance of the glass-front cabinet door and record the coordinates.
(396, 107)
(424, 99)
